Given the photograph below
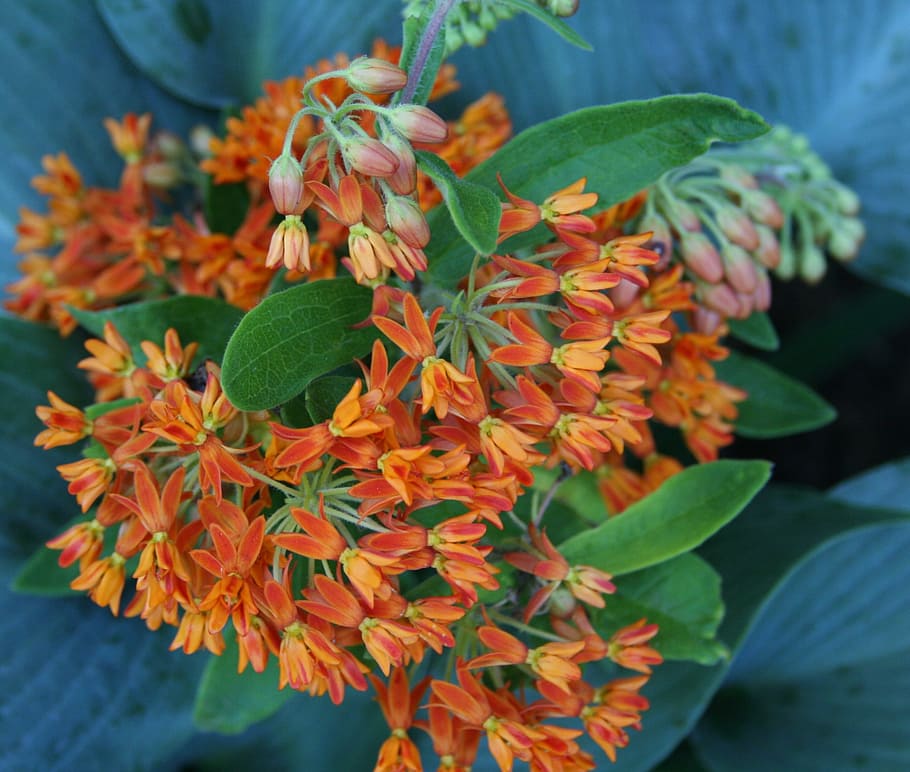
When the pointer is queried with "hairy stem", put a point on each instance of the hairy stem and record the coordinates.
(424, 47)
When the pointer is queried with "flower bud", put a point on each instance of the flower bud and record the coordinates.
(737, 226)
(375, 76)
(162, 174)
(768, 252)
(562, 7)
(623, 294)
(200, 140)
(738, 176)
(369, 156)
(701, 257)
(286, 184)
(705, 321)
(407, 222)
(404, 179)
(786, 267)
(687, 216)
(720, 298)
(812, 264)
(418, 123)
(847, 200)
(761, 297)
(290, 245)
(763, 209)
(661, 242)
(847, 239)
(739, 268)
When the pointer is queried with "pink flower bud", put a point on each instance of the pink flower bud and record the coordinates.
(761, 298)
(407, 222)
(369, 156)
(286, 184)
(736, 226)
(375, 76)
(661, 239)
(705, 321)
(763, 209)
(687, 216)
(746, 305)
(768, 252)
(418, 123)
(404, 179)
(720, 298)
(623, 294)
(701, 256)
(739, 268)
(738, 176)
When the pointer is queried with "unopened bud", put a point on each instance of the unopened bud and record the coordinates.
(738, 176)
(404, 179)
(661, 242)
(701, 256)
(369, 156)
(812, 265)
(375, 76)
(739, 268)
(562, 603)
(474, 34)
(720, 298)
(623, 294)
(847, 200)
(407, 222)
(763, 209)
(169, 145)
(786, 267)
(847, 239)
(161, 174)
(705, 321)
(688, 218)
(761, 297)
(736, 226)
(286, 184)
(201, 140)
(768, 252)
(418, 123)
(562, 7)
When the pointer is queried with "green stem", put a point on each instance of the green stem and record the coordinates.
(430, 33)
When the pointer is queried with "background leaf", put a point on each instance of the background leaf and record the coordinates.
(603, 144)
(218, 52)
(677, 517)
(57, 97)
(757, 330)
(777, 405)
(841, 78)
(292, 337)
(207, 321)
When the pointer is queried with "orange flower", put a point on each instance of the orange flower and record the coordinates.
(399, 704)
(65, 423)
(82, 542)
(129, 136)
(625, 647)
(112, 356)
(88, 479)
(104, 579)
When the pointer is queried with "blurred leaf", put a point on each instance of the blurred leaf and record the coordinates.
(292, 337)
(757, 330)
(777, 405)
(604, 144)
(207, 321)
(883, 486)
(677, 517)
(413, 32)
(218, 52)
(553, 22)
(225, 206)
(682, 596)
(474, 209)
(78, 688)
(822, 680)
(229, 702)
(57, 97)
(841, 78)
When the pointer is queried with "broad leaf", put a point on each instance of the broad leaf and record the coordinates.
(777, 405)
(324, 394)
(419, 51)
(474, 209)
(757, 330)
(682, 596)
(620, 149)
(225, 206)
(59, 97)
(821, 682)
(292, 337)
(229, 702)
(677, 517)
(217, 54)
(207, 321)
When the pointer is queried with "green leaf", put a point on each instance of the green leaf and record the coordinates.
(228, 701)
(206, 321)
(553, 22)
(293, 337)
(474, 209)
(225, 206)
(682, 596)
(777, 406)
(413, 31)
(579, 492)
(324, 394)
(757, 330)
(620, 148)
(676, 518)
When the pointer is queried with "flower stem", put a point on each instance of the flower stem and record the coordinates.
(430, 33)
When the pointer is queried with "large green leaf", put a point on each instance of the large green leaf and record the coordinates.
(207, 321)
(77, 687)
(619, 148)
(218, 52)
(56, 98)
(292, 337)
(838, 77)
(229, 702)
(757, 330)
(682, 596)
(676, 518)
(777, 405)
